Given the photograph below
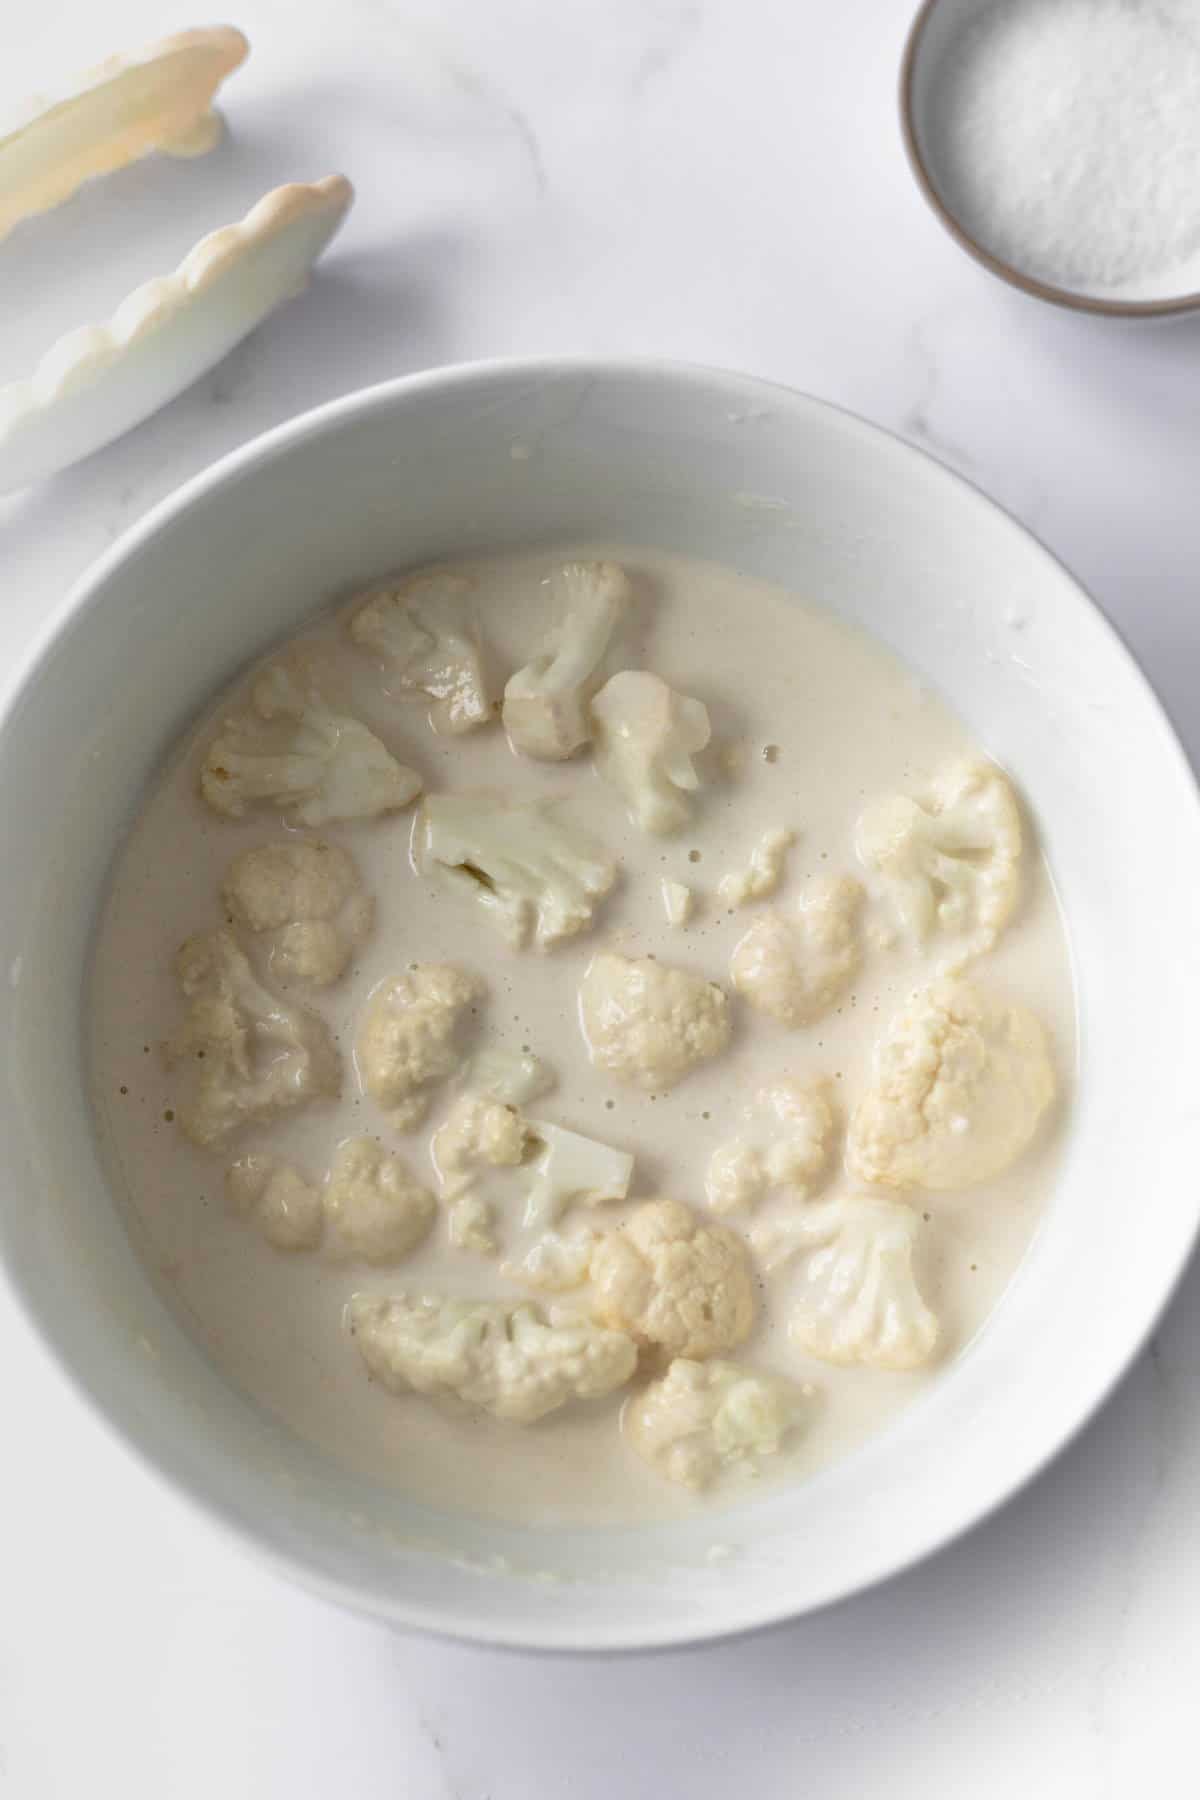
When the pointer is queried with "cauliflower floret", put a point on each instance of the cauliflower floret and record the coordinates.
(570, 1169)
(477, 1134)
(545, 703)
(471, 1225)
(678, 901)
(515, 1362)
(703, 1420)
(952, 862)
(376, 1211)
(673, 1282)
(961, 1081)
(407, 1037)
(522, 863)
(554, 1262)
(516, 1077)
(795, 968)
(858, 1298)
(785, 1145)
(299, 755)
(764, 871)
(648, 1023)
(646, 736)
(285, 1207)
(254, 1053)
(305, 901)
(424, 633)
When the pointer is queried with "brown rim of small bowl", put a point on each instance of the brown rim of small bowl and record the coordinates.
(1028, 284)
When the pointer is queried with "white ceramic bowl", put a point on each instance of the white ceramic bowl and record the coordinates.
(512, 454)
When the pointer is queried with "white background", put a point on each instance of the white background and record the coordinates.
(713, 179)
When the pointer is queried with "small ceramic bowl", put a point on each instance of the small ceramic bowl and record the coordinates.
(922, 70)
(509, 455)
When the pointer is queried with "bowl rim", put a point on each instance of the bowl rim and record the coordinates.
(487, 1631)
(1071, 299)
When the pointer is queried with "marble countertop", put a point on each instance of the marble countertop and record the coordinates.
(719, 180)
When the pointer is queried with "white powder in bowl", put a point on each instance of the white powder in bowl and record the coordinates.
(1065, 136)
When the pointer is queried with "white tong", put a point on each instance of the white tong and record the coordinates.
(99, 381)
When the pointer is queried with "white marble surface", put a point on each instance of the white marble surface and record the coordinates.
(720, 180)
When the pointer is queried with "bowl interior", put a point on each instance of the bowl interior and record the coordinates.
(789, 490)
